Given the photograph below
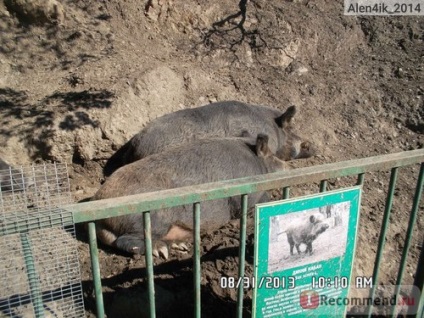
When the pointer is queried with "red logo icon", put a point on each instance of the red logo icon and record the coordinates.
(309, 299)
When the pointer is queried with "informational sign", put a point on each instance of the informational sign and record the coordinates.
(304, 250)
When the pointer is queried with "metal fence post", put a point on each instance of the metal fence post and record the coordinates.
(149, 262)
(411, 224)
(196, 260)
(33, 278)
(95, 268)
(381, 240)
(242, 254)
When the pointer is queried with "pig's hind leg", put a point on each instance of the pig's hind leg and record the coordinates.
(130, 243)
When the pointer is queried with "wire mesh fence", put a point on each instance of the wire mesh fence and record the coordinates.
(39, 265)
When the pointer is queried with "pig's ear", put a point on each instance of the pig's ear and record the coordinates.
(285, 118)
(262, 145)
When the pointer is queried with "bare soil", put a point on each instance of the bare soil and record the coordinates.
(79, 78)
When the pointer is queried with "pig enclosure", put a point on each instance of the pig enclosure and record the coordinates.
(76, 90)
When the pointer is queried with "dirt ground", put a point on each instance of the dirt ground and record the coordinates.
(79, 78)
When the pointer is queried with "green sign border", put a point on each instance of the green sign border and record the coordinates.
(330, 271)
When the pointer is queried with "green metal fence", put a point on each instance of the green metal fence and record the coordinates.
(146, 202)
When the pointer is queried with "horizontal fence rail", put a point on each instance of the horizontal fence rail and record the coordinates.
(149, 202)
(95, 210)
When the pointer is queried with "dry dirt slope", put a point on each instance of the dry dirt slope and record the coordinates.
(78, 78)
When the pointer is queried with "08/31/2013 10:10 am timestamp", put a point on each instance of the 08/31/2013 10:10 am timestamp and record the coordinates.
(289, 282)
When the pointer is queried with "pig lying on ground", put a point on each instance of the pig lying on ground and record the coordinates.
(216, 120)
(305, 233)
(202, 161)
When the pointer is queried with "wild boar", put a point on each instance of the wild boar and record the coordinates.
(202, 161)
(305, 233)
(216, 120)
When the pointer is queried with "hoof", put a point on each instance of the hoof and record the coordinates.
(180, 247)
(161, 250)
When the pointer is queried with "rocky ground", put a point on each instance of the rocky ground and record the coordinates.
(79, 78)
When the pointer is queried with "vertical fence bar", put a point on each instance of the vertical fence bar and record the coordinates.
(242, 254)
(412, 220)
(381, 240)
(323, 186)
(419, 282)
(360, 180)
(33, 278)
(95, 269)
(286, 192)
(149, 262)
(196, 259)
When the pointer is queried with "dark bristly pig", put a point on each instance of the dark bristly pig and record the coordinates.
(305, 232)
(216, 120)
(202, 161)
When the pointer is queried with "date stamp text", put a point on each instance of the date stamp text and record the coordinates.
(266, 282)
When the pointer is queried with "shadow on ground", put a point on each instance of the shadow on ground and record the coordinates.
(67, 109)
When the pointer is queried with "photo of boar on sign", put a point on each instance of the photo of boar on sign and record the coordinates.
(307, 236)
(305, 233)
